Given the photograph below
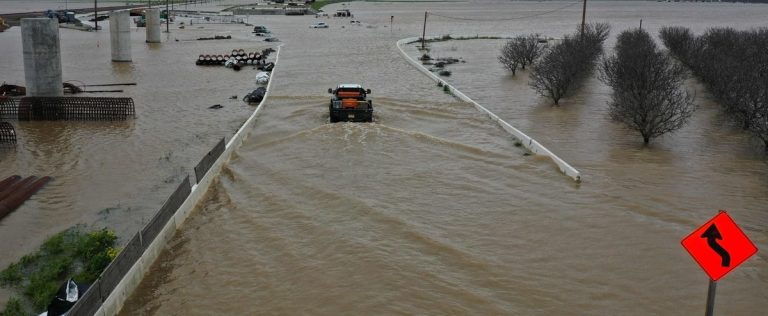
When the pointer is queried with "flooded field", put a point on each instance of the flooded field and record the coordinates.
(430, 210)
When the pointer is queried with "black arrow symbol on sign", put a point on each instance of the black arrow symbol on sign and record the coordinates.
(712, 235)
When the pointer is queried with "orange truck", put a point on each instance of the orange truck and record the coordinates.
(350, 103)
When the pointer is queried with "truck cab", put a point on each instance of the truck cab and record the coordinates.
(350, 103)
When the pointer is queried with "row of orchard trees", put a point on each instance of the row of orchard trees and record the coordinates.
(559, 68)
(734, 67)
(647, 85)
(648, 93)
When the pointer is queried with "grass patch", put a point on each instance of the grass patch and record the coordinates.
(317, 5)
(68, 254)
(13, 308)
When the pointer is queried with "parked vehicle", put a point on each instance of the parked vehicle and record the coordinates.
(319, 25)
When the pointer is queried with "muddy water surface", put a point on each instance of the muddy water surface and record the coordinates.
(434, 210)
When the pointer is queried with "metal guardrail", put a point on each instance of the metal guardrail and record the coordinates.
(66, 108)
(210, 158)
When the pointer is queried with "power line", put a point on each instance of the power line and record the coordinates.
(507, 19)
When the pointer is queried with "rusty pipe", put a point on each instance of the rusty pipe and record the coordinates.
(13, 187)
(8, 181)
(17, 198)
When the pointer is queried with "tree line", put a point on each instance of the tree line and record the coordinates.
(733, 65)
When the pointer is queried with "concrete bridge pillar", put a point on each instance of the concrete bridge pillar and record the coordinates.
(153, 25)
(120, 35)
(42, 57)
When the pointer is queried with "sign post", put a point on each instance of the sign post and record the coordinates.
(718, 246)
(711, 298)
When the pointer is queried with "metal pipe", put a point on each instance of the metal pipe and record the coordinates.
(9, 181)
(711, 298)
(13, 187)
(18, 198)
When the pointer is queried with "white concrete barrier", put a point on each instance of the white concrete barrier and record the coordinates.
(526, 140)
(132, 279)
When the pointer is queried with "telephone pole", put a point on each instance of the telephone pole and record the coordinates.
(95, 15)
(168, 18)
(424, 31)
(583, 17)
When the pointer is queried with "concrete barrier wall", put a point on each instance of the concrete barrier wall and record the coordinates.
(132, 279)
(526, 140)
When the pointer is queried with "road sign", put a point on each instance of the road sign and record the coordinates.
(719, 246)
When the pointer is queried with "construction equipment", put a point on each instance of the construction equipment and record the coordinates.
(349, 103)
(62, 16)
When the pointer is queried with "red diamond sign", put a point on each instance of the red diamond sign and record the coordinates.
(719, 246)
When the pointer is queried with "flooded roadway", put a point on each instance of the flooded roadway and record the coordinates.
(430, 210)
(433, 210)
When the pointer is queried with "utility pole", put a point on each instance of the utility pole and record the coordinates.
(641, 24)
(424, 31)
(583, 17)
(168, 18)
(95, 15)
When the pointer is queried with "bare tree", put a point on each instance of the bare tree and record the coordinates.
(555, 73)
(508, 57)
(520, 51)
(647, 86)
(565, 64)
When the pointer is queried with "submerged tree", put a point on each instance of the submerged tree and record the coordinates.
(734, 67)
(647, 86)
(507, 57)
(520, 51)
(565, 64)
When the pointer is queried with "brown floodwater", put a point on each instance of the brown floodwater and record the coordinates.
(117, 174)
(432, 209)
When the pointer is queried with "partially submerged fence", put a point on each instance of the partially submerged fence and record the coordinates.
(205, 164)
(529, 143)
(91, 301)
(66, 108)
(107, 295)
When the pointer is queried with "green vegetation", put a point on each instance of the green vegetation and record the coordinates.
(13, 308)
(68, 254)
(321, 3)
